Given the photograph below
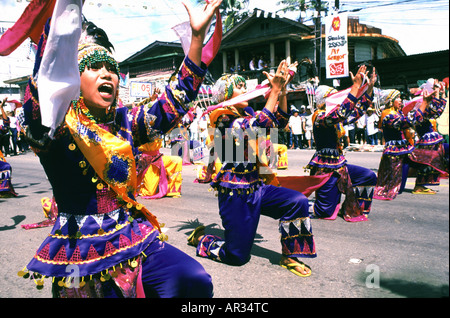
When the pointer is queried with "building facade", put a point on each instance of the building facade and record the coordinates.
(269, 38)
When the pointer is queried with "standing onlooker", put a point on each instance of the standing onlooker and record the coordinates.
(21, 141)
(13, 127)
(4, 129)
(345, 139)
(309, 127)
(284, 135)
(261, 63)
(302, 114)
(296, 125)
(371, 126)
(252, 64)
(203, 129)
(193, 128)
(360, 130)
(351, 132)
(6, 187)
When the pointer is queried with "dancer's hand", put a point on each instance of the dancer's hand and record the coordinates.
(200, 21)
(358, 79)
(277, 82)
(279, 79)
(427, 97)
(292, 70)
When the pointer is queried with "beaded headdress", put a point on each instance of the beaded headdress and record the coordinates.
(94, 46)
(322, 92)
(224, 87)
(389, 95)
(91, 53)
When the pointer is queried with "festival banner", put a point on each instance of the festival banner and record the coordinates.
(336, 46)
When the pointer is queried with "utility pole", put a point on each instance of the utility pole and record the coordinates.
(318, 37)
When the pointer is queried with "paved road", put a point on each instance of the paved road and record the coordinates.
(403, 251)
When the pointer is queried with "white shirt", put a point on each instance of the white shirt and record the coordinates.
(260, 64)
(308, 122)
(370, 124)
(252, 65)
(296, 124)
(13, 122)
(361, 122)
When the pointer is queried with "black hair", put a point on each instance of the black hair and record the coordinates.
(96, 34)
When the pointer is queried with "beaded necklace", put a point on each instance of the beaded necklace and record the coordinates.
(80, 107)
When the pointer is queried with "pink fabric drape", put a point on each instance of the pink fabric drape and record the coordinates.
(304, 184)
(212, 47)
(159, 163)
(30, 24)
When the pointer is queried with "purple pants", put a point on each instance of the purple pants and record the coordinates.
(328, 196)
(240, 215)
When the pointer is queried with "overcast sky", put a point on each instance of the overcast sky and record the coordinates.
(419, 25)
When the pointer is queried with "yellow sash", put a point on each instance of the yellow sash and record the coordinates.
(105, 152)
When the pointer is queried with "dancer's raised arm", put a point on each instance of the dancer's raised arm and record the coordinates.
(200, 21)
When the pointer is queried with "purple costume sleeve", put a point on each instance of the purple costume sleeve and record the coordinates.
(337, 115)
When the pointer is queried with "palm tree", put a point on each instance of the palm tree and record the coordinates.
(233, 11)
(302, 6)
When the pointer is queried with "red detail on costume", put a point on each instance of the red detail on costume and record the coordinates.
(61, 256)
(135, 238)
(306, 249)
(44, 253)
(109, 249)
(124, 241)
(92, 254)
(197, 82)
(144, 229)
(76, 256)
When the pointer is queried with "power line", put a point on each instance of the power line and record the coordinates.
(395, 3)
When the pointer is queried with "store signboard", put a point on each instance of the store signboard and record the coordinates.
(141, 89)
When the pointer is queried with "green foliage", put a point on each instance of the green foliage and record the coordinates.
(232, 11)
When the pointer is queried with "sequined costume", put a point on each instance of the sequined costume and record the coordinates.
(355, 182)
(104, 243)
(6, 187)
(429, 140)
(399, 155)
(245, 192)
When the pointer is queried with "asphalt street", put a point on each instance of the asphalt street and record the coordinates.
(401, 252)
